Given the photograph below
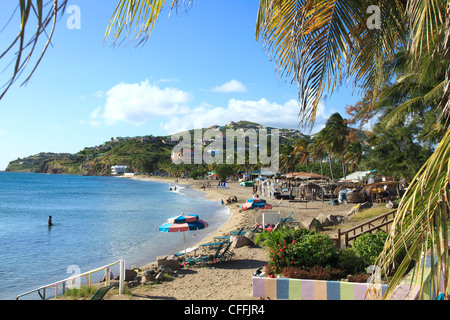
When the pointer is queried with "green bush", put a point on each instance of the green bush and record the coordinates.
(308, 254)
(369, 246)
(313, 273)
(349, 261)
(282, 235)
(301, 249)
(195, 174)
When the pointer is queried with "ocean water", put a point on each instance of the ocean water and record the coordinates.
(97, 221)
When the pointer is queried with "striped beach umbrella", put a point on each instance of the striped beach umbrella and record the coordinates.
(182, 223)
(256, 203)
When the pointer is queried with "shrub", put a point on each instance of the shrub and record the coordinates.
(195, 174)
(311, 249)
(349, 261)
(313, 273)
(369, 246)
(362, 277)
(282, 235)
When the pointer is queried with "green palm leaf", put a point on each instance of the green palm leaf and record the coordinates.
(42, 17)
(135, 19)
(320, 43)
(420, 225)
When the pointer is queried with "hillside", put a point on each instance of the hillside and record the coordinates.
(144, 154)
(139, 154)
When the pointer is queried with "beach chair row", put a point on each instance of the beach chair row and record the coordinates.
(218, 256)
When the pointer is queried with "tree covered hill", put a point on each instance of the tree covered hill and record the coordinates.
(146, 154)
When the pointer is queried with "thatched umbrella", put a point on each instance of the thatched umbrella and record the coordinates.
(391, 186)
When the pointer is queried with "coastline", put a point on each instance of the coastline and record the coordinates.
(235, 219)
(230, 280)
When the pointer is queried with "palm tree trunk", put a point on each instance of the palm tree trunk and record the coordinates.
(321, 169)
(343, 167)
(331, 169)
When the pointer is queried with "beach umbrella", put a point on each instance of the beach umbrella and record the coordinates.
(256, 203)
(182, 223)
(256, 200)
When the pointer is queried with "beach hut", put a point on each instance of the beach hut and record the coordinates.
(382, 190)
(304, 176)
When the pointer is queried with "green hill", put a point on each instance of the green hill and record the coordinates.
(145, 154)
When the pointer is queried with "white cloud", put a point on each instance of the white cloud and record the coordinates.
(95, 113)
(137, 103)
(262, 111)
(231, 86)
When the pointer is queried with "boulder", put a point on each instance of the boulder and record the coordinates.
(312, 224)
(130, 275)
(148, 276)
(239, 241)
(165, 269)
(324, 221)
(250, 236)
(159, 276)
(169, 261)
(391, 205)
(336, 219)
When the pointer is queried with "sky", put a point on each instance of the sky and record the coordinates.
(199, 68)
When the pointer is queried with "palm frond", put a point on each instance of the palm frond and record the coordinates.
(135, 19)
(420, 225)
(320, 43)
(425, 17)
(23, 47)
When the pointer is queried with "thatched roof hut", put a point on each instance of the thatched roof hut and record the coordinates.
(309, 187)
(376, 190)
(390, 185)
(303, 175)
(347, 185)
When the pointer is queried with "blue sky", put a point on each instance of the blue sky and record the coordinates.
(200, 67)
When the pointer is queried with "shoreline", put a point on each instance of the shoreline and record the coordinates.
(230, 280)
(233, 221)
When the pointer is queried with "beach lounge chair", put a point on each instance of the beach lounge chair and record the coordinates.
(205, 259)
(240, 232)
(100, 293)
(226, 254)
(232, 233)
(214, 244)
(188, 250)
(288, 219)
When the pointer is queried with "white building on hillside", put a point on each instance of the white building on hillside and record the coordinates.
(118, 169)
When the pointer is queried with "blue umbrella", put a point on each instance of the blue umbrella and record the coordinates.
(183, 223)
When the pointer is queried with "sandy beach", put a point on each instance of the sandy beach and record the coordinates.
(230, 280)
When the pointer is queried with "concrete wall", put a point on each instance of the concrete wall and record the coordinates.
(299, 289)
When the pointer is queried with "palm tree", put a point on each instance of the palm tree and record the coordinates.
(300, 153)
(319, 44)
(325, 146)
(317, 151)
(353, 155)
(335, 136)
(286, 160)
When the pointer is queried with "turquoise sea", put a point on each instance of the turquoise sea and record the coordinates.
(97, 220)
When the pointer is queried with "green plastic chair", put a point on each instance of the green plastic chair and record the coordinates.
(206, 258)
(100, 293)
(225, 255)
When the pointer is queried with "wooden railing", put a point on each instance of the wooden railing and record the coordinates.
(375, 224)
